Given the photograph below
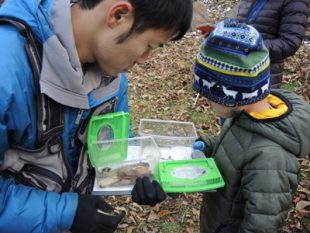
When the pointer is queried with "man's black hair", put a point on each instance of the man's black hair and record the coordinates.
(174, 15)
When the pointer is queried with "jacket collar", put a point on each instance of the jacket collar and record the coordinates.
(62, 76)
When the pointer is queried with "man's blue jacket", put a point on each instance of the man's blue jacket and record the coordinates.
(26, 209)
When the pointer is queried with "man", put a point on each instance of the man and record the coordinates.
(85, 45)
(282, 24)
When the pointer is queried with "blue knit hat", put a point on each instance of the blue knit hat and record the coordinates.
(232, 65)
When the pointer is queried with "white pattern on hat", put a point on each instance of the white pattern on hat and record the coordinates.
(249, 95)
(230, 92)
(265, 87)
(208, 84)
(197, 78)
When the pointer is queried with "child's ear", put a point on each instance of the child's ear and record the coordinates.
(118, 13)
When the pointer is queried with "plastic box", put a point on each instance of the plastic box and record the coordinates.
(177, 171)
(168, 132)
(118, 170)
(174, 138)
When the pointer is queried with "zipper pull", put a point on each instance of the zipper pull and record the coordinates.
(79, 117)
(74, 182)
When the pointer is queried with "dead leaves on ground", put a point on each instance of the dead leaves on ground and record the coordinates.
(183, 211)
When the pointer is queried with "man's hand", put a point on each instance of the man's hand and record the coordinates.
(94, 215)
(147, 192)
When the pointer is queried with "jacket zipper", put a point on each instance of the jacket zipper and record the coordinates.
(79, 188)
(32, 169)
(86, 182)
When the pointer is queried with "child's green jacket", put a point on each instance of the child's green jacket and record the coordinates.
(258, 160)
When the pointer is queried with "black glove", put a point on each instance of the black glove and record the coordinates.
(174, 195)
(146, 192)
(94, 215)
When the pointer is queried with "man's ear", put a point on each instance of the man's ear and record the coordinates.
(119, 12)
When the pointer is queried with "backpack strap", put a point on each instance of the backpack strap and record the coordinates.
(49, 113)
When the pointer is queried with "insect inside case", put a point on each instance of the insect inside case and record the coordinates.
(103, 128)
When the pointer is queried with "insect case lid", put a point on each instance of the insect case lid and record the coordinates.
(102, 131)
(195, 175)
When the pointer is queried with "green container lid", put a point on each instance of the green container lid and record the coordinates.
(195, 175)
(102, 131)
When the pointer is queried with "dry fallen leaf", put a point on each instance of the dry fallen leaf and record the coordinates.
(302, 205)
(190, 230)
(164, 213)
(130, 229)
(152, 217)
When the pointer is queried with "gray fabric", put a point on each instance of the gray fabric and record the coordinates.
(61, 21)
(58, 78)
(282, 24)
(17, 159)
(257, 159)
(62, 77)
(103, 91)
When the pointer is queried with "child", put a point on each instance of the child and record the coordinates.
(264, 133)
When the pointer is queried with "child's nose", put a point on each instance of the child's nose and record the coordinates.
(143, 58)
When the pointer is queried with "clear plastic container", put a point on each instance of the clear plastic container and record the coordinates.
(168, 132)
(122, 161)
(174, 138)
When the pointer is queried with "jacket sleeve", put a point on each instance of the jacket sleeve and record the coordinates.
(212, 142)
(122, 103)
(291, 30)
(33, 210)
(209, 142)
(270, 178)
(24, 209)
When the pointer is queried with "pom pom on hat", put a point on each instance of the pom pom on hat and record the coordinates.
(232, 65)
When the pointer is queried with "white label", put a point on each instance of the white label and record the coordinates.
(188, 172)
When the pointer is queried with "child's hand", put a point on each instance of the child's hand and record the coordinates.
(205, 29)
(199, 145)
(199, 148)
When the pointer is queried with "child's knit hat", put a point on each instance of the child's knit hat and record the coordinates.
(232, 65)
